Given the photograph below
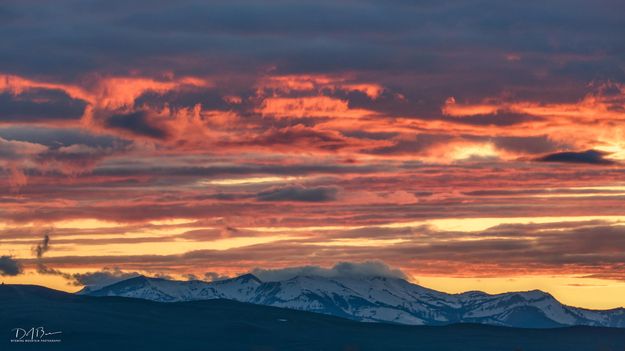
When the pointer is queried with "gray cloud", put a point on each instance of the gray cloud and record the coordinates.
(578, 42)
(592, 157)
(10, 266)
(55, 137)
(137, 123)
(39, 250)
(37, 105)
(43, 247)
(299, 193)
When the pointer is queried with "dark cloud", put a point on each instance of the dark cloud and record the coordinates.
(500, 119)
(102, 278)
(39, 105)
(41, 248)
(299, 193)
(299, 136)
(434, 43)
(593, 157)
(10, 266)
(418, 144)
(528, 145)
(361, 134)
(137, 123)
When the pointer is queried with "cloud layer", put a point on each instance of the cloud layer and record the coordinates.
(444, 138)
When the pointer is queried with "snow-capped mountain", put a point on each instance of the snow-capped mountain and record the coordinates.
(374, 299)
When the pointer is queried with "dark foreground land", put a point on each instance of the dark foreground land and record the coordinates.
(103, 323)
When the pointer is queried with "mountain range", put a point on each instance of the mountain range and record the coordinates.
(373, 299)
(81, 322)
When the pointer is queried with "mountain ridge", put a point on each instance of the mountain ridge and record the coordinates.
(106, 323)
(374, 299)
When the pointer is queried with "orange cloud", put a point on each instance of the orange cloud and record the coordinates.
(119, 92)
(17, 85)
(315, 106)
(592, 107)
(318, 83)
(373, 91)
(451, 108)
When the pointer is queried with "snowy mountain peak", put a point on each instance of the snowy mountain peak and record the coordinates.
(373, 299)
(249, 277)
(535, 295)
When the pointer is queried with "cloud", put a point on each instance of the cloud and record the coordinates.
(15, 156)
(74, 159)
(214, 276)
(58, 137)
(498, 119)
(10, 266)
(592, 157)
(581, 247)
(39, 250)
(526, 144)
(298, 193)
(11, 150)
(299, 137)
(272, 91)
(24, 158)
(102, 278)
(137, 123)
(42, 247)
(340, 270)
(40, 105)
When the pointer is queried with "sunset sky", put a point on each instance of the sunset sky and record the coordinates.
(475, 145)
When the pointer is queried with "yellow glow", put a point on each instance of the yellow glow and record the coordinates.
(570, 290)
(173, 221)
(463, 152)
(478, 224)
(450, 224)
(86, 224)
(578, 195)
(31, 277)
(254, 180)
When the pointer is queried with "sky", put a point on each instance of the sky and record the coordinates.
(469, 145)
